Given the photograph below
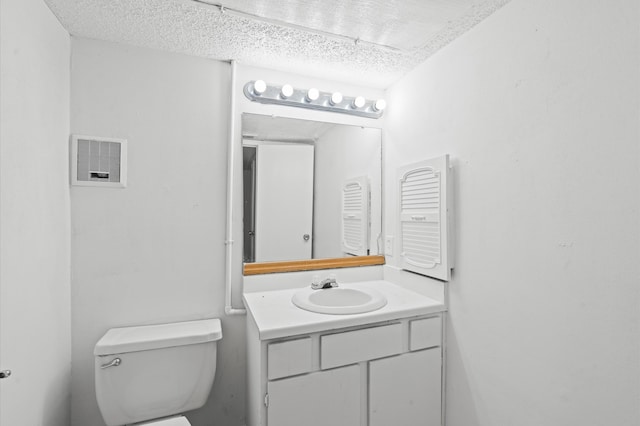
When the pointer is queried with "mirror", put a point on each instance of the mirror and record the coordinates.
(312, 190)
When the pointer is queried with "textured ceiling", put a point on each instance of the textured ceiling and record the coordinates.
(367, 42)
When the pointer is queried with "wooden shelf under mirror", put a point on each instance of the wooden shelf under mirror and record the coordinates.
(311, 264)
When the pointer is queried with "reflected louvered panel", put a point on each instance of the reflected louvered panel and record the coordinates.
(355, 216)
(352, 198)
(352, 234)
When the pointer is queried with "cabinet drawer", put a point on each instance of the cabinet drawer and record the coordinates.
(425, 333)
(289, 358)
(360, 345)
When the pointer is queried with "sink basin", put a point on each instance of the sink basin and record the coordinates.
(339, 300)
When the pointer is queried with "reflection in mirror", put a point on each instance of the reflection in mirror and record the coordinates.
(312, 190)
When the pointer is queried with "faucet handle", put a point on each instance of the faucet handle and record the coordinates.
(315, 282)
(328, 282)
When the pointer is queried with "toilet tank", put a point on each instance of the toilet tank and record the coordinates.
(147, 372)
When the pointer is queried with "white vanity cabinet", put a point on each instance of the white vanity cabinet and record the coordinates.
(378, 374)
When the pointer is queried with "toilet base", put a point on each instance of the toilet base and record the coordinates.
(166, 421)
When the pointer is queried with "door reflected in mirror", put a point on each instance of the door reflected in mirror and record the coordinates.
(312, 190)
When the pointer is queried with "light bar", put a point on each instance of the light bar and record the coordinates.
(259, 91)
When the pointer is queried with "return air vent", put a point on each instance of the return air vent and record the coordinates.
(98, 161)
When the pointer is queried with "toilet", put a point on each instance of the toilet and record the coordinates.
(150, 375)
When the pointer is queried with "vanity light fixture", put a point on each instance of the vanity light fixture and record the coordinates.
(286, 91)
(336, 98)
(312, 95)
(358, 102)
(259, 91)
(259, 87)
(380, 105)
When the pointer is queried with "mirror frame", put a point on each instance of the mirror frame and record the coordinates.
(259, 268)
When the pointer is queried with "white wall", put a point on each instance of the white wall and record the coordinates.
(539, 108)
(153, 252)
(34, 216)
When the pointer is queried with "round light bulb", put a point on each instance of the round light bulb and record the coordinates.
(380, 105)
(336, 98)
(312, 94)
(358, 102)
(286, 91)
(259, 87)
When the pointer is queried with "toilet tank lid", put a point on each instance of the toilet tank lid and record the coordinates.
(147, 337)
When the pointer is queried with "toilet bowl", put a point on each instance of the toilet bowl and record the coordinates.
(169, 421)
(150, 375)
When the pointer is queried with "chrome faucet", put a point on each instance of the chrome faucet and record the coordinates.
(328, 282)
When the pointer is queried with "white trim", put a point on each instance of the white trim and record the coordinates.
(228, 304)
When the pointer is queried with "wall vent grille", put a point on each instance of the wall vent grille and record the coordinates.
(98, 161)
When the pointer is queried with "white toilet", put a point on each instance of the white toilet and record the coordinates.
(149, 375)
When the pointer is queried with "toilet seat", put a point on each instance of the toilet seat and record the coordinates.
(167, 421)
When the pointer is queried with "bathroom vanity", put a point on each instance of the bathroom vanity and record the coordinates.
(377, 368)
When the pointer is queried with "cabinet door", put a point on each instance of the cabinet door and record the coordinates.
(405, 390)
(324, 398)
(424, 211)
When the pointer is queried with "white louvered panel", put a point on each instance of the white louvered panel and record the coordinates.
(421, 243)
(420, 217)
(421, 190)
(422, 214)
(355, 216)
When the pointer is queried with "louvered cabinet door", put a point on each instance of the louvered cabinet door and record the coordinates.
(355, 216)
(423, 206)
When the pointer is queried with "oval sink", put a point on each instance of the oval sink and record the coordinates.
(339, 300)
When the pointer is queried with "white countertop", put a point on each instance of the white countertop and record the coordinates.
(276, 316)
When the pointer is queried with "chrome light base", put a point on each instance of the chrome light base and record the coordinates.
(321, 101)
